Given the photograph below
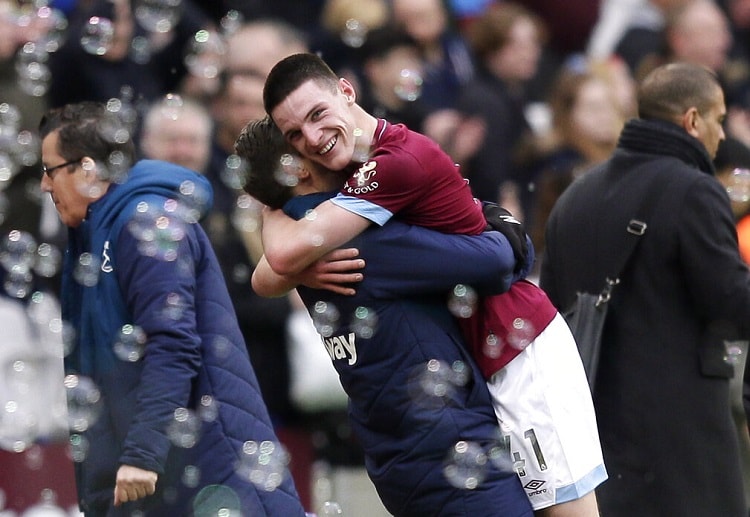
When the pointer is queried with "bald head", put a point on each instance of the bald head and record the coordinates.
(689, 96)
(670, 90)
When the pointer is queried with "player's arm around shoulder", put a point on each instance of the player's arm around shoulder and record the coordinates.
(290, 246)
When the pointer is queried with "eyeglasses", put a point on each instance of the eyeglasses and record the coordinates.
(49, 170)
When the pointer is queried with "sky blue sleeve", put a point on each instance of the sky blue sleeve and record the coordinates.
(375, 213)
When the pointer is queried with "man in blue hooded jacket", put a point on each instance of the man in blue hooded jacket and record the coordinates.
(174, 422)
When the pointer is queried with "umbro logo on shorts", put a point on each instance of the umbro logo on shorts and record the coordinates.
(534, 484)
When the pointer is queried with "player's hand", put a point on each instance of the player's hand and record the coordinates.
(334, 271)
(511, 228)
(133, 483)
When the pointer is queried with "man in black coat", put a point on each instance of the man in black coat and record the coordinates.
(662, 390)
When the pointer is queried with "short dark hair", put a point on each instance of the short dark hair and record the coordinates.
(88, 129)
(382, 41)
(262, 145)
(292, 72)
(670, 90)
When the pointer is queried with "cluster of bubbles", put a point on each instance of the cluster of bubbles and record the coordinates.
(521, 334)
(203, 55)
(130, 343)
(467, 463)
(263, 463)
(409, 86)
(463, 303)
(436, 383)
(19, 148)
(21, 258)
(159, 229)
(184, 429)
(363, 321)
(43, 30)
(32, 405)
(85, 402)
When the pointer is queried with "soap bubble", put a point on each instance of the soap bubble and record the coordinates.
(409, 85)
(325, 317)
(462, 301)
(97, 35)
(184, 429)
(263, 463)
(466, 465)
(84, 402)
(157, 15)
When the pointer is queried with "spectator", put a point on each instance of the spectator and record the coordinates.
(643, 37)
(345, 25)
(700, 32)
(448, 61)
(131, 54)
(178, 130)
(180, 396)
(252, 50)
(392, 72)
(613, 21)
(662, 389)
(586, 121)
(570, 23)
(507, 42)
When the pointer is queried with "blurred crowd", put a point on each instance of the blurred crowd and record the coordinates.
(524, 95)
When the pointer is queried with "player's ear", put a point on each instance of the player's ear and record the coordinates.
(690, 121)
(302, 172)
(348, 90)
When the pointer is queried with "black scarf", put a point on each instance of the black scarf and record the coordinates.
(665, 139)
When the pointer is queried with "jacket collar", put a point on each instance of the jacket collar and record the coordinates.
(665, 139)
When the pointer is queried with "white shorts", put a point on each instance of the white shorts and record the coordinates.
(543, 403)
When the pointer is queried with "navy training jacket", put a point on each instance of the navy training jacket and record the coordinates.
(194, 355)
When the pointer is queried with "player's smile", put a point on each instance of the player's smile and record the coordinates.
(329, 146)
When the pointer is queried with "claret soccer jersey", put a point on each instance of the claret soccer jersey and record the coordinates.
(408, 175)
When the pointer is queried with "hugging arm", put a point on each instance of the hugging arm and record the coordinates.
(292, 245)
(336, 271)
(404, 260)
(410, 260)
